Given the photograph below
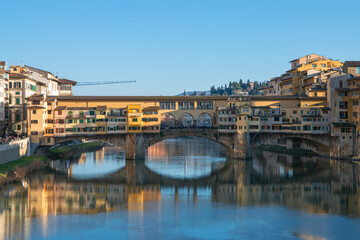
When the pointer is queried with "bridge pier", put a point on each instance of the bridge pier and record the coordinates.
(241, 147)
(135, 147)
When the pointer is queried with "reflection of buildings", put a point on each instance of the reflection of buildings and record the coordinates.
(190, 145)
(270, 165)
(322, 188)
(47, 195)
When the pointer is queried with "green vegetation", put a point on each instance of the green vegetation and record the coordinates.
(280, 149)
(24, 161)
(64, 151)
(252, 89)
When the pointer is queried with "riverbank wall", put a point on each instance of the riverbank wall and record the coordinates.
(14, 150)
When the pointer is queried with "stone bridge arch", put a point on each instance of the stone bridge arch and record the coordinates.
(211, 134)
(320, 143)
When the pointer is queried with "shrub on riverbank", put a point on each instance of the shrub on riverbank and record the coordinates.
(65, 151)
(11, 166)
(16, 170)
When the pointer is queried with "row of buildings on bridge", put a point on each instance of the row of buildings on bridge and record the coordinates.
(17, 83)
(317, 95)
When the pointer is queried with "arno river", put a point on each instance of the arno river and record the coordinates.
(185, 189)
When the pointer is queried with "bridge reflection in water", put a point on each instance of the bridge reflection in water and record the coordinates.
(303, 183)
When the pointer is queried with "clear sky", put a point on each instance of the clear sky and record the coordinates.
(172, 46)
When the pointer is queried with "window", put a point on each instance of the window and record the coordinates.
(323, 65)
(36, 102)
(34, 121)
(81, 120)
(17, 117)
(343, 105)
(92, 113)
(204, 105)
(33, 87)
(17, 93)
(49, 111)
(346, 130)
(343, 115)
(34, 111)
(59, 112)
(186, 105)
(34, 133)
(59, 130)
(357, 70)
(314, 65)
(342, 94)
(17, 100)
(134, 119)
(245, 109)
(167, 105)
(355, 103)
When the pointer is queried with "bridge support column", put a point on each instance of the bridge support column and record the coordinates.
(242, 146)
(135, 146)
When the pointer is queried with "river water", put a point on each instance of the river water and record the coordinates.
(185, 189)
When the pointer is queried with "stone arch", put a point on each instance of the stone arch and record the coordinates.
(186, 120)
(204, 120)
(118, 140)
(168, 120)
(305, 143)
(211, 136)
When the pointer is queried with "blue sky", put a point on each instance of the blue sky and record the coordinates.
(172, 46)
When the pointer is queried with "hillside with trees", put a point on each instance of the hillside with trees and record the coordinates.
(252, 88)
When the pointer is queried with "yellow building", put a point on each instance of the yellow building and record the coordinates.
(151, 119)
(312, 65)
(37, 113)
(134, 118)
(101, 120)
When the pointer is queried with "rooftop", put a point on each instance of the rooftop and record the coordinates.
(352, 63)
(67, 81)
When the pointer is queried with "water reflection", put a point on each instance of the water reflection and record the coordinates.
(92, 164)
(185, 158)
(308, 185)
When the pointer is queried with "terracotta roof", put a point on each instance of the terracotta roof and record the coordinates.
(36, 97)
(81, 108)
(67, 81)
(152, 108)
(287, 77)
(352, 63)
(2, 70)
(318, 89)
(353, 78)
(37, 69)
(16, 75)
(101, 108)
(140, 98)
(60, 108)
(2, 63)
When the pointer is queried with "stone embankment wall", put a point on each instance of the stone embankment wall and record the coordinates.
(14, 150)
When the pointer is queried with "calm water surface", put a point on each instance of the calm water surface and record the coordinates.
(185, 189)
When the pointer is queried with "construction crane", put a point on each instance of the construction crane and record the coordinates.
(81, 84)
